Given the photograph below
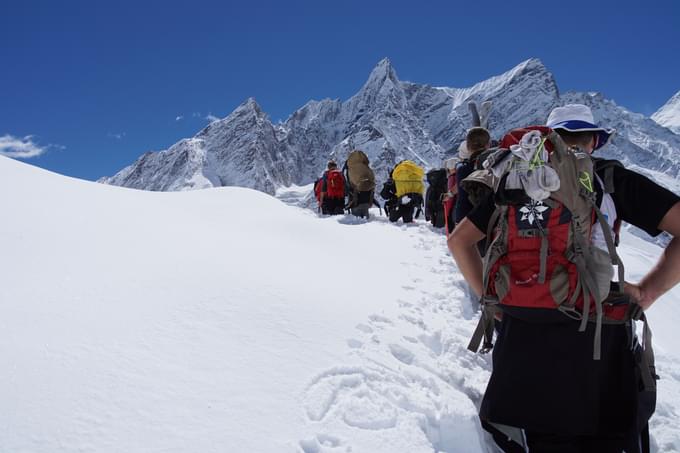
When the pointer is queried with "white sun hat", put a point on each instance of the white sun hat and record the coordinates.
(578, 118)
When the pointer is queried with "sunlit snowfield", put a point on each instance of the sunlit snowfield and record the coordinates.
(226, 320)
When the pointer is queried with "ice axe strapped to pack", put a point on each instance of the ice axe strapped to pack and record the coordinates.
(480, 115)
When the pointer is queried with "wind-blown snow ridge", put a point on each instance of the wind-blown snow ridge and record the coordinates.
(390, 120)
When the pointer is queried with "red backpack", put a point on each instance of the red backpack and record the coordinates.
(335, 184)
(540, 264)
(449, 202)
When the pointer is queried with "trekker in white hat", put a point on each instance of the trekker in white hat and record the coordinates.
(577, 118)
(546, 392)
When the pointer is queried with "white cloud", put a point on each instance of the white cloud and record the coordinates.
(22, 148)
(210, 117)
(117, 136)
(196, 115)
(179, 117)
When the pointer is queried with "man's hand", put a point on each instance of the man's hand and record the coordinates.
(638, 294)
(666, 273)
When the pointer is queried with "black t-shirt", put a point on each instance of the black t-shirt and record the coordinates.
(544, 377)
(638, 200)
(463, 205)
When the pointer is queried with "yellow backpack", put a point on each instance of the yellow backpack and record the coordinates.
(408, 178)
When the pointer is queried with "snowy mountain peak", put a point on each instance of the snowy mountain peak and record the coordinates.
(250, 105)
(669, 115)
(530, 70)
(382, 70)
(248, 112)
(532, 64)
(383, 74)
(389, 120)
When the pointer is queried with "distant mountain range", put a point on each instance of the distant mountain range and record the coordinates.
(390, 120)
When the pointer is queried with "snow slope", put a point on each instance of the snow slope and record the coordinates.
(225, 320)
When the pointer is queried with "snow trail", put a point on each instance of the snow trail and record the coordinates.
(413, 371)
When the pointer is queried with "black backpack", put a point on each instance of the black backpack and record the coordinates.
(438, 186)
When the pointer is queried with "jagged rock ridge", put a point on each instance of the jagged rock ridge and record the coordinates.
(390, 120)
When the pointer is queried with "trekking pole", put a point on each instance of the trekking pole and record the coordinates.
(375, 202)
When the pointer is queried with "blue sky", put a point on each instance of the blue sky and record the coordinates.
(95, 84)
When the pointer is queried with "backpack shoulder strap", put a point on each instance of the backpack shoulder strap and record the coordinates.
(605, 168)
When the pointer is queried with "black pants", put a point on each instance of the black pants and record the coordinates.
(361, 210)
(361, 202)
(545, 380)
(437, 217)
(553, 443)
(398, 211)
(333, 206)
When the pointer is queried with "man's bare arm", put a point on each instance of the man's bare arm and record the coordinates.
(463, 246)
(666, 273)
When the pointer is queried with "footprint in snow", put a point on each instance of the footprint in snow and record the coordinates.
(322, 394)
(316, 444)
(364, 328)
(413, 320)
(433, 342)
(402, 354)
(370, 412)
(354, 344)
(378, 319)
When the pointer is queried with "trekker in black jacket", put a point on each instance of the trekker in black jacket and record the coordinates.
(476, 142)
(546, 392)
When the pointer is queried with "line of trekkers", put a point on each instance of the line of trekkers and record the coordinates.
(352, 188)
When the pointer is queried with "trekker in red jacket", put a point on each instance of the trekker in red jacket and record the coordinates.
(332, 197)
